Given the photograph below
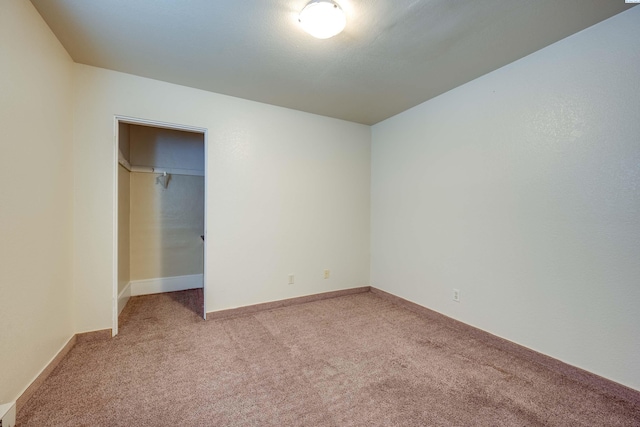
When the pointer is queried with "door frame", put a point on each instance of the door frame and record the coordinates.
(164, 125)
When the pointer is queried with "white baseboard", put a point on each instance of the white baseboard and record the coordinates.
(8, 415)
(124, 297)
(165, 284)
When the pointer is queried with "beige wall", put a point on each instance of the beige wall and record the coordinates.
(124, 271)
(36, 196)
(287, 192)
(166, 225)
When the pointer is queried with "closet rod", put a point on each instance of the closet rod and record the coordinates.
(149, 169)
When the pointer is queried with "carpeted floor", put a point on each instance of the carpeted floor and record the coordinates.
(356, 360)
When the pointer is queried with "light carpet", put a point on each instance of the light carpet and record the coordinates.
(357, 360)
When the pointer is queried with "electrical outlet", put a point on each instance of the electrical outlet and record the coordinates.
(327, 274)
(456, 295)
(291, 279)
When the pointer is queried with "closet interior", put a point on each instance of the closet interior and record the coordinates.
(161, 180)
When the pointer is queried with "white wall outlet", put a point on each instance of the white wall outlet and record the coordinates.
(327, 274)
(291, 279)
(8, 415)
(456, 295)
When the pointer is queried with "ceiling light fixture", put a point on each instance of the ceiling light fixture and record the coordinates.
(322, 18)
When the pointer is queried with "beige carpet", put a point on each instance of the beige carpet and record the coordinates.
(356, 360)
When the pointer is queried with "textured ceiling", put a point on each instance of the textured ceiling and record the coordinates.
(393, 55)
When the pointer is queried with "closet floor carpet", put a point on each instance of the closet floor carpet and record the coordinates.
(356, 360)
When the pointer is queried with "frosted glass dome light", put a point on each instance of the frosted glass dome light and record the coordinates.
(322, 18)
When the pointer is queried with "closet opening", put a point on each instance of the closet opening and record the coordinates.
(160, 213)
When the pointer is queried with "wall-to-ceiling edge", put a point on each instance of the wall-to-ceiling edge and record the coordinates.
(520, 190)
(287, 193)
(549, 137)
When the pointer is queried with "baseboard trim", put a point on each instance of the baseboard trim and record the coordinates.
(8, 414)
(124, 297)
(44, 374)
(589, 379)
(165, 284)
(101, 335)
(250, 309)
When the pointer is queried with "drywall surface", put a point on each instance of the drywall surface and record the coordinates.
(123, 140)
(286, 192)
(522, 190)
(167, 148)
(124, 227)
(36, 198)
(166, 225)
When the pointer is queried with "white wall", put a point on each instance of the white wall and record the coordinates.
(35, 197)
(124, 227)
(522, 190)
(287, 192)
(123, 140)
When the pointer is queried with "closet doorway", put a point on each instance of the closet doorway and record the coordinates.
(160, 211)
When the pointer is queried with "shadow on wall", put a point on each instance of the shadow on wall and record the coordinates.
(166, 204)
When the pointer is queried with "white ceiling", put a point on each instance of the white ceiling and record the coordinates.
(393, 55)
